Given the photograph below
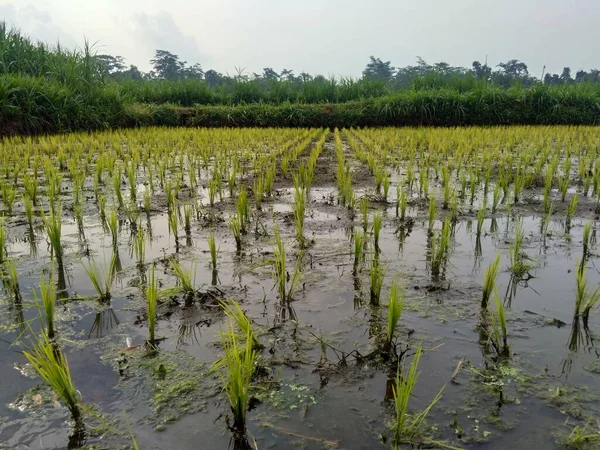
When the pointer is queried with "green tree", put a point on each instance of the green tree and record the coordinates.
(378, 70)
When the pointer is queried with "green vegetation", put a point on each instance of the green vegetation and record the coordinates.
(152, 304)
(50, 89)
(409, 427)
(52, 366)
(489, 281)
(102, 280)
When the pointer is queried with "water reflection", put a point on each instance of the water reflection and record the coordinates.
(104, 321)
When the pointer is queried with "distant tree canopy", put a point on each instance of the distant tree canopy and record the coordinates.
(422, 75)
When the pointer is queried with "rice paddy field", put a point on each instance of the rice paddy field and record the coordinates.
(301, 288)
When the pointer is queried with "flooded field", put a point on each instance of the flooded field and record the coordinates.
(397, 288)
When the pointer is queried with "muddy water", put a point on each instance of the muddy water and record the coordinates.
(313, 399)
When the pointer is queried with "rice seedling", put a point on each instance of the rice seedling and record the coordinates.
(259, 191)
(48, 300)
(236, 229)
(386, 186)
(299, 210)
(29, 207)
(360, 240)
(173, 226)
(472, 187)
(481, 213)
(364, 209)
(9, 195)
(242, 208)
(233, 311)
(147, 200)
(213, 188)
(497, 195)
(51, 364)
(489, 281)
(214, 252)
(152, 304)
(376, 276)
(139, 245)
(187, 219)
(12, 280)
(440, 247)
(132, 180)
(30, 187)
(2, 241)
(185, 277)
(518, 266)
(116, 180)
(499, 336)
(586, 242)
(585, 299)
(102, 278)
(279, 272)
(395, 307)
(53, 227)
(239, 369)
(408, 427)
(112, 221)
(377, 224)
(432, 214)
(571, 209)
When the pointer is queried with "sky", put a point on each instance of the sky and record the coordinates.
(329, 37)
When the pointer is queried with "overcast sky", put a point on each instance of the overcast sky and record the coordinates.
(331, 37)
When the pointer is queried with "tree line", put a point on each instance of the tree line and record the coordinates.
(169, 66)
